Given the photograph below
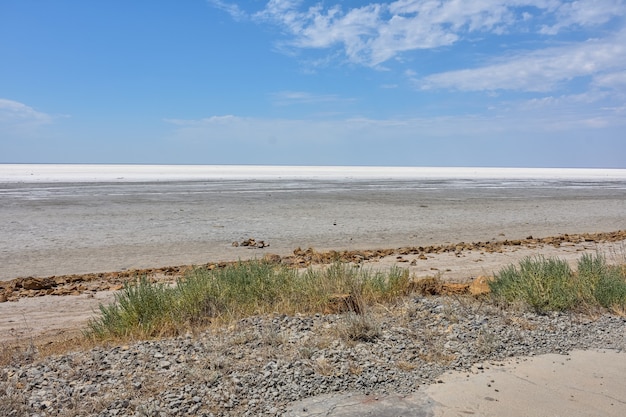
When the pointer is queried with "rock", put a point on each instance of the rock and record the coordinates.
(37, 283)
(272, 258)
(425, 286)
(251, 243)
(449, 288)
(480, 286)
(340, 303)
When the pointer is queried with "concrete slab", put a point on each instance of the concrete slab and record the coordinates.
(581, 384)
(355, 405)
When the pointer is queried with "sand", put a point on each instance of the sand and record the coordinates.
(580, 384)
(53, 317)
(52, 229)
(90, 231)
(83, 228)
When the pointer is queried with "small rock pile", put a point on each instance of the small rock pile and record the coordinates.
(251, 243)
(259, 365)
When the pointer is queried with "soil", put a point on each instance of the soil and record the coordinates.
(56, 308)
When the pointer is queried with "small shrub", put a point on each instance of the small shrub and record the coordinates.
(361, 327)
(140, 309)
(605, 284)
(543, 283)
(550, 284)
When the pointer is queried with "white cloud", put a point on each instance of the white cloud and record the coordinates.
(584, 13)
(16, 113)
(284, 98)
(537, 118)
(614, 80)
(377, 32)
(232, 9)
(538, 71)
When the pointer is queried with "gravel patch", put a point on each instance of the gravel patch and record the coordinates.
(259, 365)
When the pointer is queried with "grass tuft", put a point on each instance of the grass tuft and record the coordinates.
(144, 309)
(549, 284)
(361, 327)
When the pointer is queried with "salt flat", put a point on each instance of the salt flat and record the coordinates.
(52, 228)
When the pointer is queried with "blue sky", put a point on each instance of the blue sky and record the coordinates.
(535, 83)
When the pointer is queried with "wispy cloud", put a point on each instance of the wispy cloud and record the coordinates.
(232, 9)
(584, 13)
(538, 71)
(536, 118)
(16, 113)
(613, 80)
(377, 32)
(286, 98)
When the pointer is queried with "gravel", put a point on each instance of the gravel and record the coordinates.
(259, 365)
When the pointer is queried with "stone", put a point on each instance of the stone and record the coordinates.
(272, 257)
(449, 288)
(37, 283)
(341, 303)
(480, 286)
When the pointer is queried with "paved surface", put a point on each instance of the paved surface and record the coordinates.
(581, 384)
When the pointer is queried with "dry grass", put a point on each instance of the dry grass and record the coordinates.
(213, 298)
(145, 309)
(360, 327)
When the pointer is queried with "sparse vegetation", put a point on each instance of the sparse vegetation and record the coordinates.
(361, 327)
(145, 309)
(549, 284)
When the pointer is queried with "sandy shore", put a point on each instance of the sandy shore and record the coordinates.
(72, 300)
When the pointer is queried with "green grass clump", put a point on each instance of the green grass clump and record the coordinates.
(549, 284)
(144, 309)
(606, 284)
(141, 307)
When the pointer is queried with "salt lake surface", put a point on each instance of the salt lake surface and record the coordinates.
(59, 219)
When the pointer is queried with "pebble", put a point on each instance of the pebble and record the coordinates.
(263, 364)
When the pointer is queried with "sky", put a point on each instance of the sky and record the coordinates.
(519, 83)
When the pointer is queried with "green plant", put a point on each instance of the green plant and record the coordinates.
(604, 284)
(543, 283)
(145, 309)
(550, 284)
(140, 309)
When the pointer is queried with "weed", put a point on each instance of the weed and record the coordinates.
(603, 283)
(354, 368)
(549, 284)
(321, 366)
(21, 349)
(13, 401)
(406, 366)
(361, 327)
(486, 342)
(144, 309)
(306, 352)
